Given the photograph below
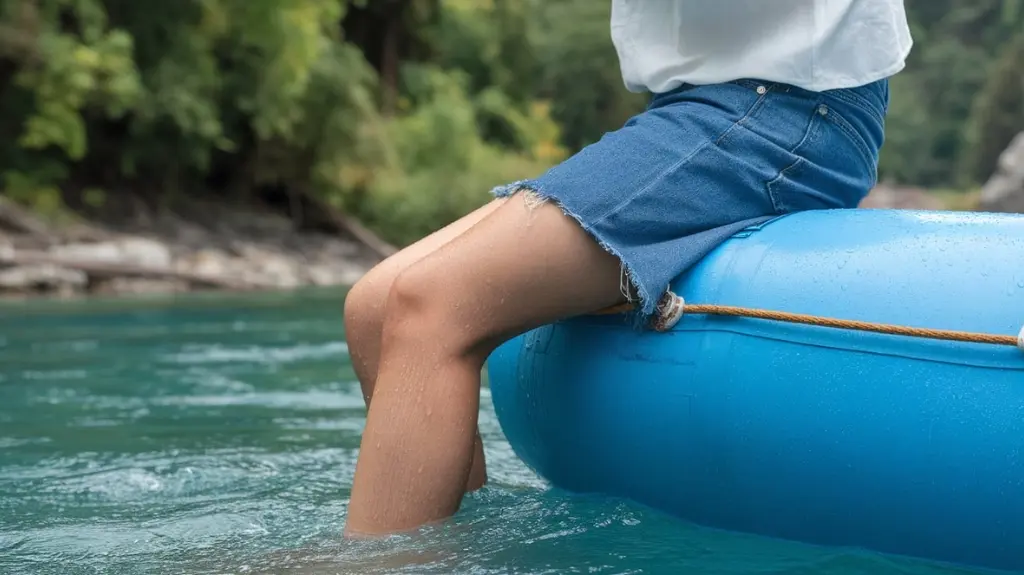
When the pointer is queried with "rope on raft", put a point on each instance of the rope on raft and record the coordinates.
(672, 308)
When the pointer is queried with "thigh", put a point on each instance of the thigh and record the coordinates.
(383, 274)
(522, 266)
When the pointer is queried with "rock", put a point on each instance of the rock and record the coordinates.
(1004, 191)
(146, 252)
(131, 250)
(269, 267)
(206, 262)
(42, 277)
(204, 245)
(6, 248)
(323, 247)
(138, 286)
(338, 274)
(255, 266)
(101, 252)
(182, 235)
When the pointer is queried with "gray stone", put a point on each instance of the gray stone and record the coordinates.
(136, 286)
(105, 252)
(337, 274)
(43, 277)
(206, 262)
(6, 248)
(147, 252)
(268, 267)
(130, 250)
(1004, 191)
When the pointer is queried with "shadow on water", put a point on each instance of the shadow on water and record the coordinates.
(218, 434)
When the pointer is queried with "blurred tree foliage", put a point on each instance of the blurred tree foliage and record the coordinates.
(401, 112)
(957, 105)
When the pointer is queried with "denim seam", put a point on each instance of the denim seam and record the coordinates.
(611, 212)
(721, 138)
(858, 143)
(742, 121)
(813, 124)
(858, 101)
(645, 298)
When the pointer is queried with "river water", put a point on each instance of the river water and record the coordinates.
(218, 434)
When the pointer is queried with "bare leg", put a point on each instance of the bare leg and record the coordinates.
(521, 267)
(365, 309)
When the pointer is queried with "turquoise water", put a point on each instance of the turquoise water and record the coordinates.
(215, 434)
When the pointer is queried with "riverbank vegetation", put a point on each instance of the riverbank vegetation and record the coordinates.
(399, 114)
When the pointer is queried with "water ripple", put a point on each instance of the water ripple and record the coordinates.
(257, 354)
(220, 436)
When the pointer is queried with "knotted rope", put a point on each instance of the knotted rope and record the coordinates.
(673, 307)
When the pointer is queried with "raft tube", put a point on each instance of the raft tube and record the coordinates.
(828, 436)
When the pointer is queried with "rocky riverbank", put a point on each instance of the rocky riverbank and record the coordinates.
(200, 245)
(209, 247)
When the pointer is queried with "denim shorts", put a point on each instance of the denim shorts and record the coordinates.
(703, 162)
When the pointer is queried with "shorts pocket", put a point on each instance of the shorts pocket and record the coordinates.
(869, 158)
(832, 167)
(779, 190)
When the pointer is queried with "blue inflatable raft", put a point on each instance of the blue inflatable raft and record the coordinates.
(838, 437)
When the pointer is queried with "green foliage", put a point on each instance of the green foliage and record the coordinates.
(998, 114)
(938, 131)
(581, 70)
(100, 98)
(445, 168)
(31, 191)
(62, 74)
(269, 93)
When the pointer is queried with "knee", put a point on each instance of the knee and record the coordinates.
(422, 314)
(364, 307)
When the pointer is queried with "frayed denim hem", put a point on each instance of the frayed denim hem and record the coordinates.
(633, 290)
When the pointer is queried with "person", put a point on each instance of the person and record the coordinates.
(757, 109)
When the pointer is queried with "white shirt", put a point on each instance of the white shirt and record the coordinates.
(813, 44)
